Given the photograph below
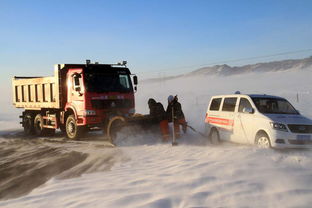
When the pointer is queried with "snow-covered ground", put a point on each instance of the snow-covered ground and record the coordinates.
(143, 172)
(186, 176)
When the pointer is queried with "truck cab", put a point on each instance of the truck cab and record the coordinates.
(77, 98)
(96, 92)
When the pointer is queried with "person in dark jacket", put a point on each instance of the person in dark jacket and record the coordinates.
(158, 115)
(175, 113)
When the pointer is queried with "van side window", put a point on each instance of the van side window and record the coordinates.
(229, 104)
(215, 104)
(243, 103)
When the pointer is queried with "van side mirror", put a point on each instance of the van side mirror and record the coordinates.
(135, 80)
(248, 110)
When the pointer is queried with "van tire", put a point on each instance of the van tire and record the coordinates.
(262, 140)
(214, 137)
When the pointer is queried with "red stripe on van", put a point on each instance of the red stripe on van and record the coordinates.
(221, 121)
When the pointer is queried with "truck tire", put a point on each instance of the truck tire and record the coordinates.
(73, 131)
(28, 124)
(114, 125)
(39, 130)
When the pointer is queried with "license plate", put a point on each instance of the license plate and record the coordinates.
(304, 137)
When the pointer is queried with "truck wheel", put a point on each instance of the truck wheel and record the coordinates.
(214, 137)
(38, 127)
(263, 140)
(73, 131)
(114, 125)
(28, 124)
(38, 122)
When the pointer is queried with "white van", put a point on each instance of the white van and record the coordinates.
(267, 121)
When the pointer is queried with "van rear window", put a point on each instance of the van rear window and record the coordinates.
(229, 104)
(215, 104)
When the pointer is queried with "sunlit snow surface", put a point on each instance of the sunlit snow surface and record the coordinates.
(144, 172)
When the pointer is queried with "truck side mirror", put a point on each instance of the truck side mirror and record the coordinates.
(78, 75)
(135, 80)
(76, 78)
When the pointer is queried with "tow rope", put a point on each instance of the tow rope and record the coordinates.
(201, 134)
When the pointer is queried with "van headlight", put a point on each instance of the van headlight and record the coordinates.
(278, 126)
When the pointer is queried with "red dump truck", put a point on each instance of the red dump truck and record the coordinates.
(79, 97)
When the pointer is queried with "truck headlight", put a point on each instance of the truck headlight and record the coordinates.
(89, 113)
(278, 126)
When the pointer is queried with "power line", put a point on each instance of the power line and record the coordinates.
(232, 60)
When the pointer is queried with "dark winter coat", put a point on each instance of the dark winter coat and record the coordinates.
(157, 112)
(177, 110)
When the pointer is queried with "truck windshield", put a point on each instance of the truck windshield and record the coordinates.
(99, 82)
(274, 106)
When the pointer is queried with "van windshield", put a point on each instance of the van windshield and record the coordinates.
(274, 106)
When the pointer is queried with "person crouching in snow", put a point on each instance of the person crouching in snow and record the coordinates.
(177, 115)
(158, 114)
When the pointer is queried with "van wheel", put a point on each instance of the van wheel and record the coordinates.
(214, 137)
(263, 141)
(73, 131)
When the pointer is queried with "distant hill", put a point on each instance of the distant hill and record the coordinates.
(226, 70)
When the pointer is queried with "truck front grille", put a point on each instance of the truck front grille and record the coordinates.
(106, 104)
(295, 128)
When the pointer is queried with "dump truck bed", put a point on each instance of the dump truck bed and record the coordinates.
(37, 92)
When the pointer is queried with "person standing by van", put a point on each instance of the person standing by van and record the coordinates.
(176, 115)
